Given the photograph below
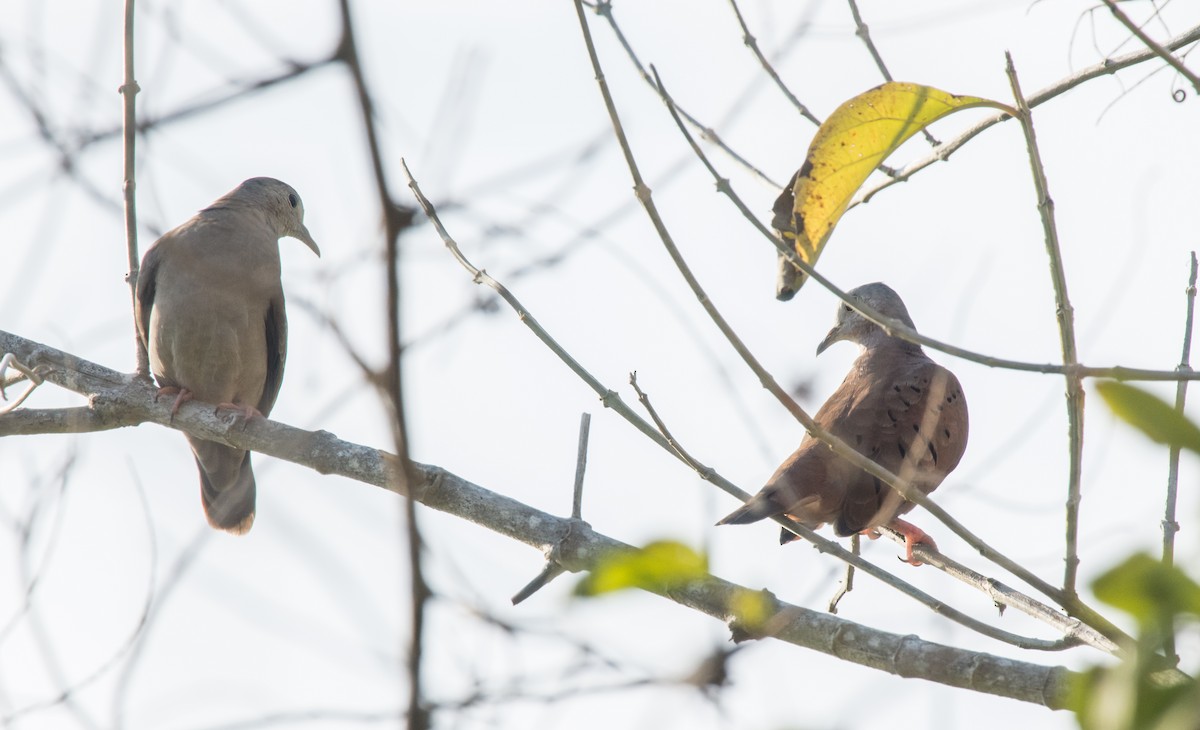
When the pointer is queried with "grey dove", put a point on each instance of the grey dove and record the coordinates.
(211, 314)
(896, 407)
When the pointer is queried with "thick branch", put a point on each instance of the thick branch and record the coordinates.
(126, 400)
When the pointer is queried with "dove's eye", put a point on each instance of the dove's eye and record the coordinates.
(293, 199)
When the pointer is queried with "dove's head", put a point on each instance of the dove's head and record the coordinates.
(282, 204)
(854, 327)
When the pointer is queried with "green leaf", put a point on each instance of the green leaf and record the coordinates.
(750, 608)
(661, 565)
(1150, 415)
(849, 145)
(1139, 693)
(1129, 697)
(1148, 590)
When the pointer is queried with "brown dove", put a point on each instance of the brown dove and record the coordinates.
(210, 312)
(896, 407)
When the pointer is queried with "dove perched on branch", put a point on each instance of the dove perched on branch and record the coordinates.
(896, 407)
(210, 311)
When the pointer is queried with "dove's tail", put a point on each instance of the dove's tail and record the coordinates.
(227, 487)
(758, 508)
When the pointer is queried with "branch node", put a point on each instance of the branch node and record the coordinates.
(553, 568)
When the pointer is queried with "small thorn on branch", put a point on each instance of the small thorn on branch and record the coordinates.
(847, 583)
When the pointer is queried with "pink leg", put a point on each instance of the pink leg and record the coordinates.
(246, 412)
(182, 395)
(912, 536)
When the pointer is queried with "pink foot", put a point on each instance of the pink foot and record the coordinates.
(912, 536)
(182, 395)
(245, 412)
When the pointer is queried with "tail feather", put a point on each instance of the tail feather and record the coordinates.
(759, 507)
(227, 488)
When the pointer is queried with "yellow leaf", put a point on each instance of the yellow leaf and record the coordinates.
(851, 143)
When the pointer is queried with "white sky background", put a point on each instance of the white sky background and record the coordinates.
(494, 106)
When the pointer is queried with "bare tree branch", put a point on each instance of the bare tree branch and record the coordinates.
(577, 547)
(752, 43)
(1153, 45)
(864, 34)
(129, 91)
(1066, 327)
(395, 219)
(1169, 524)
(604, 9)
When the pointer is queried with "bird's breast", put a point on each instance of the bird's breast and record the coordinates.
(212, 342)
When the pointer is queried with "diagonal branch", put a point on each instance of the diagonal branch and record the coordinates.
(752, 43)
(604, 8)
(123, 400)
(1153, 45)
(864, 34)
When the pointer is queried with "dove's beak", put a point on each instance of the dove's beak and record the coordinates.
(834, 335)
(306, 237)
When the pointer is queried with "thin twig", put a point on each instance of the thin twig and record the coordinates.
(1005, 597)
(680, 452)
(128, 91)
(847, 583)
(1153, 45)
(82, 139)
(552, 569)
(585, 425)
(1066, 328)
(752, 43)
(864, 34)
(1169, 524)
(1106, 67)
(396, 219)
(603, 8)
